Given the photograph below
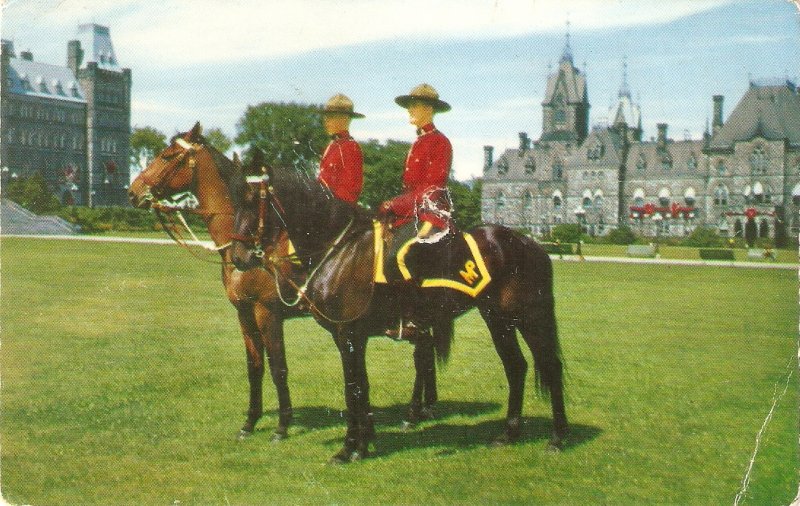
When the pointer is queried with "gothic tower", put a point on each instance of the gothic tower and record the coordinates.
(565, 109)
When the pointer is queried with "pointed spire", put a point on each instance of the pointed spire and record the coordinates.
(624, 90)
(567, 54)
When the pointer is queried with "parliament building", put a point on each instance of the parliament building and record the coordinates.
(746, 166)
(71, 124)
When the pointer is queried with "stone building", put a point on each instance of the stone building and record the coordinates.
(607, 176)
(71, 123)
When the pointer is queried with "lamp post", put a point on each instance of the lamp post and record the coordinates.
(657, 220)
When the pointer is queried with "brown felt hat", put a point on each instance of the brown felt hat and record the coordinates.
(423, 93)
(340, 104)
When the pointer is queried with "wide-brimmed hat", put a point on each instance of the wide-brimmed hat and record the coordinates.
(423, 93)
(340, 104)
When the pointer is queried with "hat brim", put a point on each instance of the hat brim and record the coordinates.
(438, 105)
(352, 114)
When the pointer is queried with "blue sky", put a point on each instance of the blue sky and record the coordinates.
(206, 60)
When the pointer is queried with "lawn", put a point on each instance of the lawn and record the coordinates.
(124, 382)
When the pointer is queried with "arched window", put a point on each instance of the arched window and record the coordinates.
(499, 206)
(759, 161)
(587, 199)
(502, 166)
(530, 166)
(638, 197)
(689, 196)
(721, 195)
(641, 162)
(796, 194)
(721, 169)
(664, 197)
(598, 201)
(691, 163)
(557, 202)
(558, 169)
(758, 192)
(527, 202)
(666, 163)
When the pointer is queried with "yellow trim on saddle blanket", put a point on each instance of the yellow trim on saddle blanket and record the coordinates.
(475, 274)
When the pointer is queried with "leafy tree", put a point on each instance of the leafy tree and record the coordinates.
(566, 232)
(217, 138)
(146, 143)
(289, 134)
(750, 232)
(383, 170)
(33, 194)
(781, 240)
(704, 237)
(622, 235)
(466, 203)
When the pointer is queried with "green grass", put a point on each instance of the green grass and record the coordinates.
(123, 382)
(682, 252)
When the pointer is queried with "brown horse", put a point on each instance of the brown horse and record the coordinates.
(190, 163)
(337, 242)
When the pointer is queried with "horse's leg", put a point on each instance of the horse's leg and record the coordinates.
(538, 328)
(504, 337)
(270, 325)
(352, 349)
(255, 366)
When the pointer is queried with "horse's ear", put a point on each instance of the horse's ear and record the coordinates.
(236, 160)
(196, 132)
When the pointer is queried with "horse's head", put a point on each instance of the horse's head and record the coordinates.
(254, 226)
(171, 172)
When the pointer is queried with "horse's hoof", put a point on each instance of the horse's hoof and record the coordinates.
(343, 456)
(555, 445)
(407, 426)
(427, 413)
(504, 439)
(279, 436)
(243, 434)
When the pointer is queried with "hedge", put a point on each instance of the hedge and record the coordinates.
(555, 248)
(716, 254)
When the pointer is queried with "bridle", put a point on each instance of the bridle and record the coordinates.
(155, 189)
(256, 241)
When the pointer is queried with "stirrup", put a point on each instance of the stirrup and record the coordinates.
(406, 331)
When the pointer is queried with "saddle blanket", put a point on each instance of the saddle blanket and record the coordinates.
(459, 264)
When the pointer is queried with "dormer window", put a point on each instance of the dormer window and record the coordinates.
(502, 166)
(558, 169)
(641, 162)
(530, 166)
(691, 163)
(666, 163)
(721, 169)
(57, 87)
(596, 152)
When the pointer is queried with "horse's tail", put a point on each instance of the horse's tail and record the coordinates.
(538, 326)
(442, 339)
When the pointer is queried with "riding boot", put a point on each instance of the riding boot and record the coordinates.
(410, 328)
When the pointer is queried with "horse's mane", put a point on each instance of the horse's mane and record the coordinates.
(308, 206)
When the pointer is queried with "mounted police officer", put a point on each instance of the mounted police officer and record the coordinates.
(424, 206)
(342, 165)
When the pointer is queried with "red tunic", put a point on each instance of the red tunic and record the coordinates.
(426, 173)
(342, 168)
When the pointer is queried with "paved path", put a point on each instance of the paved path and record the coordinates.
(566, 258)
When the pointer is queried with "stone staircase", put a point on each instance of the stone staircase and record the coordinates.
(16, 220)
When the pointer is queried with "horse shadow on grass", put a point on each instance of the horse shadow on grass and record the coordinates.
(452, 438)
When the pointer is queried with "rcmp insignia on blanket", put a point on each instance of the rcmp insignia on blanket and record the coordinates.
(465, 271)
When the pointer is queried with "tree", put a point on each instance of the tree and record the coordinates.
(622, 235)
(567, 232)
(750, 232)
(217, 138)
(704, 237)
(383, 171)
(289, 134)
(146, 143)
(466, 203)
(33, 194)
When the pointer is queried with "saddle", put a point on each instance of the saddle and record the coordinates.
(450, 259)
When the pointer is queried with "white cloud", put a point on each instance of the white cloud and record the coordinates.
(177, 32)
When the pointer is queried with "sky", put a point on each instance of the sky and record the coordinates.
(207, 60)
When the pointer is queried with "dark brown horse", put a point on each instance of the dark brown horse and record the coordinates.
(336, 240)
(191, 164)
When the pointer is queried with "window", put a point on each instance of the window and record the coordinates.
(560, 116)
(721, 195)
(558, 169)
(557, 202)
(598, 202)
(596, 151)
(758, 161)
(664, 197)
(502, 166)
(587, 202)
(530, 166)
(721, 169)
(499, 206)
(641, 162)
(689, 195)
(691, 163)
(527, 201)
(666, 163)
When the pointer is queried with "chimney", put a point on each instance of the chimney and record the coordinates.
(524, 141)
(74, 56)
(717, 124)
(26, 55)
(662, 135)
(488, 159)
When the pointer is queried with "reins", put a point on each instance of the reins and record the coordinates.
(266, 198)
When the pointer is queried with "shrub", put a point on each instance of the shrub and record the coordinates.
(553, 248)
(107, 219)
(621, 235)
(32, 194)
(704, 237)
(716, 254)
(566, 232)
(765, 242)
